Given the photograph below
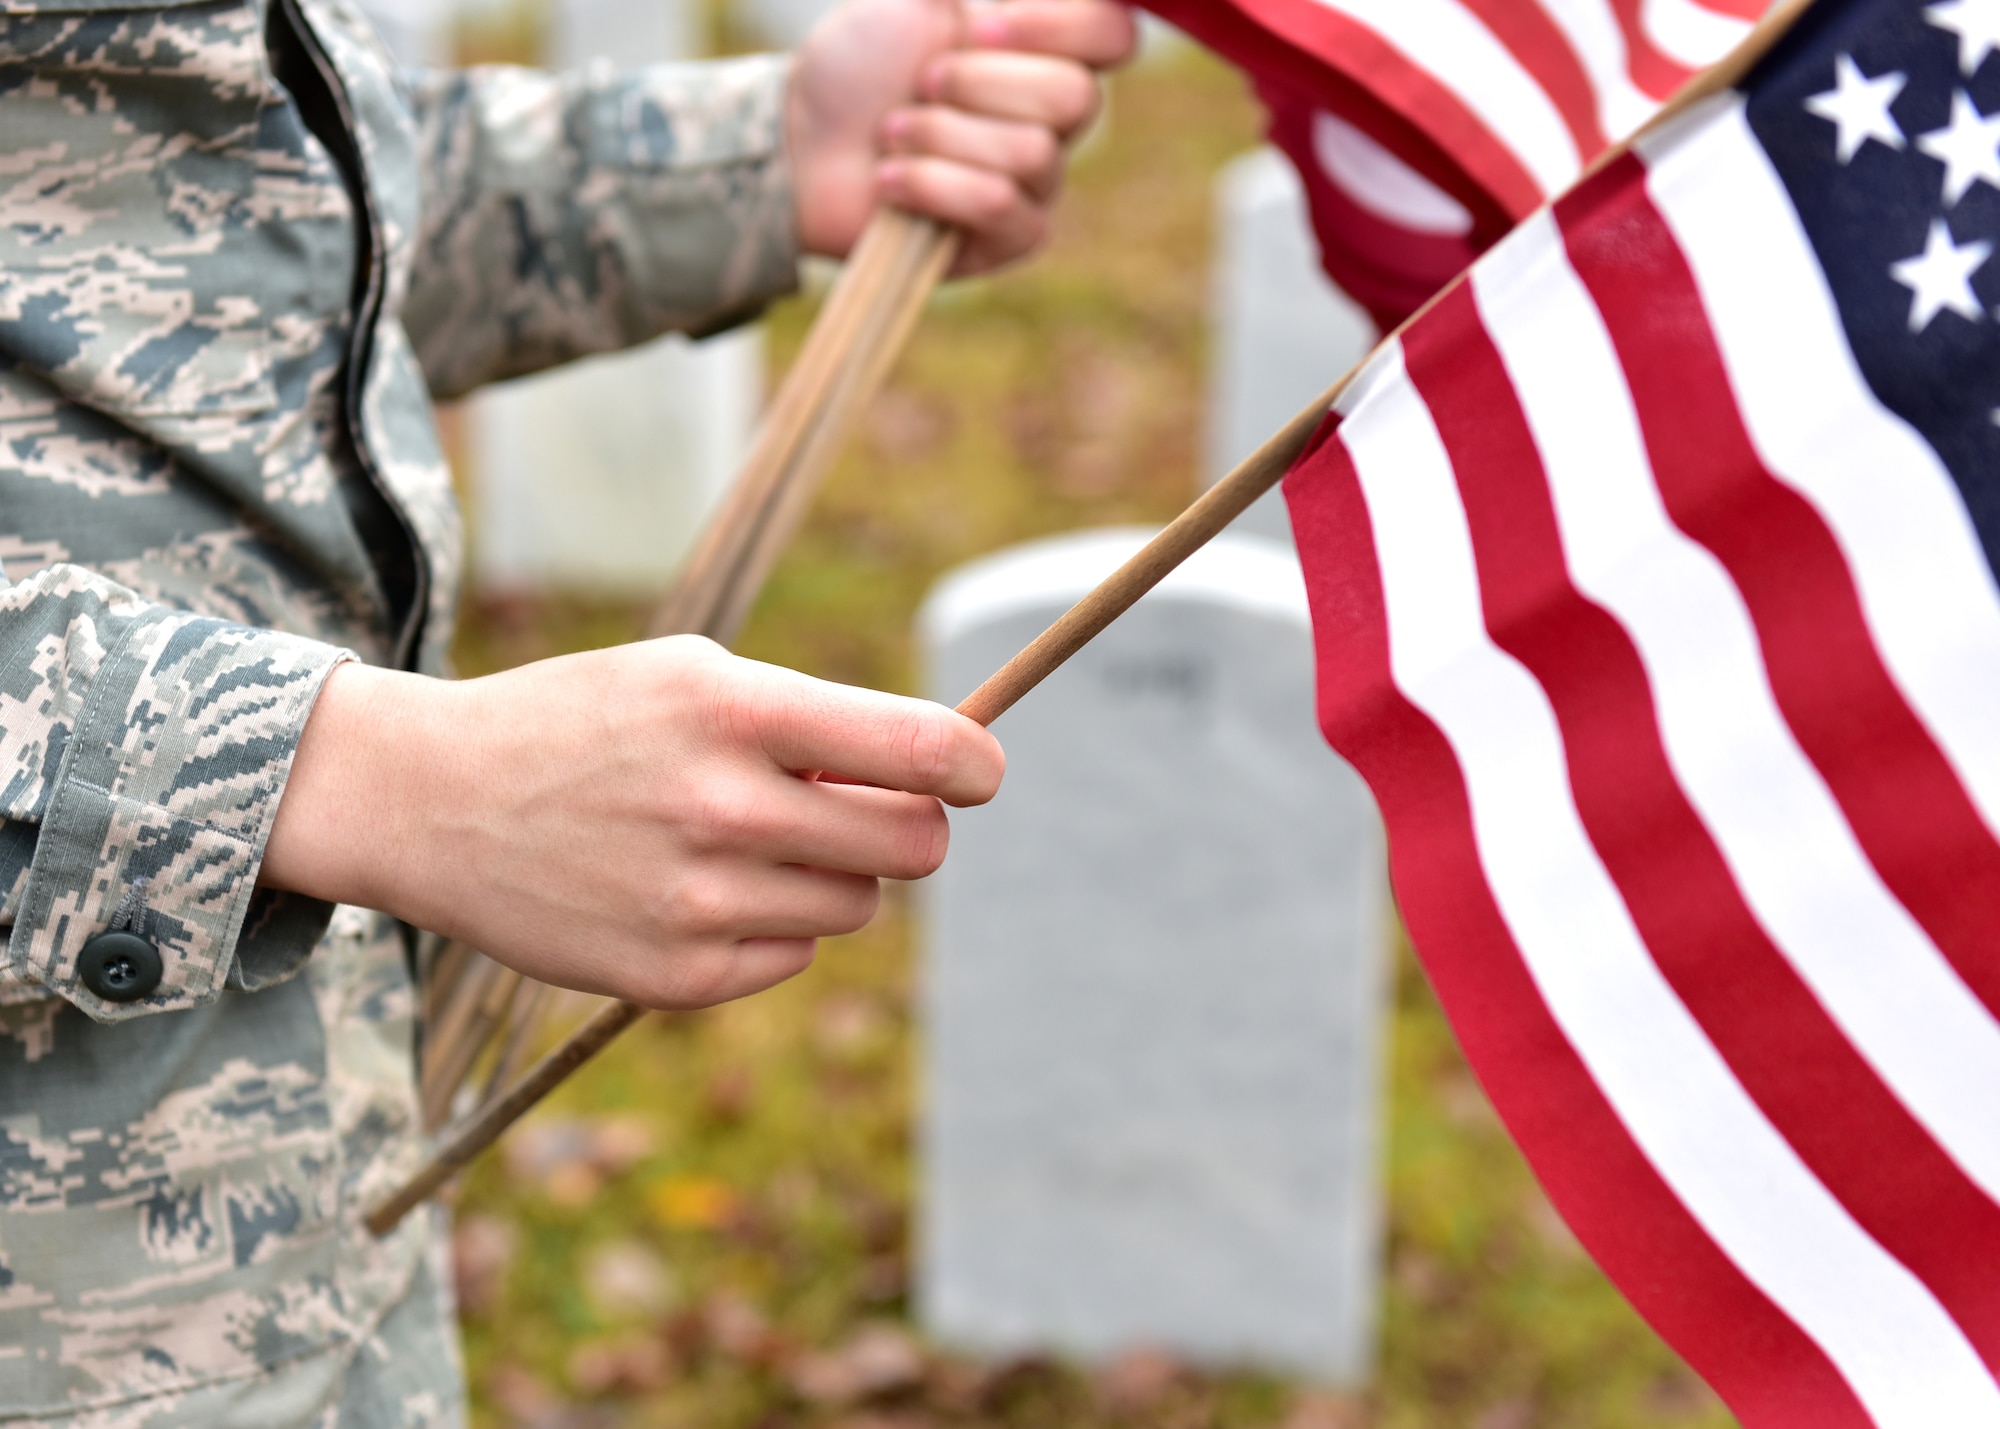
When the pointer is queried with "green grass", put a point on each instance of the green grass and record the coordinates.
(709, 1228)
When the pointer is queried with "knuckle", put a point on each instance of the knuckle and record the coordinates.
(723, 813)
(730, 718)
(698, 905)
(747, 709)
(947, 79)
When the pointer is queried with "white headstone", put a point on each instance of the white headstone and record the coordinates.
(1283, 331)
(1154, 972)
(597, 476)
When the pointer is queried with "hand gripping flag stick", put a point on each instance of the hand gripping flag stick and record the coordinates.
(1189, 532)
(895, 264)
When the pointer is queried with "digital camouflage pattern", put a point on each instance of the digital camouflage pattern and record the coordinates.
(219, 477)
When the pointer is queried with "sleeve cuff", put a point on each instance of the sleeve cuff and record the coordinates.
(163, 801)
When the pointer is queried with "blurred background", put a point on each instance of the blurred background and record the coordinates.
(738, 1219)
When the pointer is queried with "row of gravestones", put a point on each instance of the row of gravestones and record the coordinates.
(1154, 966)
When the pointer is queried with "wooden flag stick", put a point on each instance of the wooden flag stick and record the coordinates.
(896, 264)
(521, 1019)
(1194, 528)
(479, 1006)
(922, 252)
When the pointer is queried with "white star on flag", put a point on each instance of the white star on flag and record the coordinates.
(1860, 107)
(1977, 25)
(1969, 148)
(1941, 277)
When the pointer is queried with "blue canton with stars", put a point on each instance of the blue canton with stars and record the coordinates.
(1876, 115)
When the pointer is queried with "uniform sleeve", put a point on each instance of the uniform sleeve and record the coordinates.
(144, 752)
(577, 213)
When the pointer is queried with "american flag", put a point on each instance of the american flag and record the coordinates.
(1425, 129)
(1653, 577)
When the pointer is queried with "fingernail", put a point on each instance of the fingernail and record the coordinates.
(989, 29)
(890, 174)
(898, 125)
(934, 77)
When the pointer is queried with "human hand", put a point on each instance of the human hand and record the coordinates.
(631, 821)
(956, 111)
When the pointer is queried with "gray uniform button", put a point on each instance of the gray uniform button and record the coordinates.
(119, 967)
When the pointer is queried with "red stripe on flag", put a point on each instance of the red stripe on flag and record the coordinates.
(1808, 1079)
(1769, 1371)
(1353, 71)
(1651, 69)
(1737, 9)
(1388, 269)
(1906, 807)
(1544, 52)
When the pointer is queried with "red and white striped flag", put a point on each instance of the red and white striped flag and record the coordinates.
(1425, 129)
(1653, 580)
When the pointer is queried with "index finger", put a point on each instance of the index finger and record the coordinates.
(1093, 32)
(890, 741)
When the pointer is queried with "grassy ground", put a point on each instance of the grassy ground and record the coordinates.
(709, 1229)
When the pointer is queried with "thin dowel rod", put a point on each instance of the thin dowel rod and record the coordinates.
(483, 1128)
(485, 992)
(1121, 590)
(708, 598)
(922, 251)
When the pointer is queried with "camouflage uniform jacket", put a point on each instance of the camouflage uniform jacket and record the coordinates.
(238, 255)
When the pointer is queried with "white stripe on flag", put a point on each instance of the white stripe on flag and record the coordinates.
(1890, 1339)
(1686, 32)
(1777, 825)
(1926, 590)
(1591, 27)
(1447, 41)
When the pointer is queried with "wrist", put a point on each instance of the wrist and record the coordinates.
(344, 829)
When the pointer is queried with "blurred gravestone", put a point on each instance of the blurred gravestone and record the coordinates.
(1283, 331)
(597, 476)
(1154, 982)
